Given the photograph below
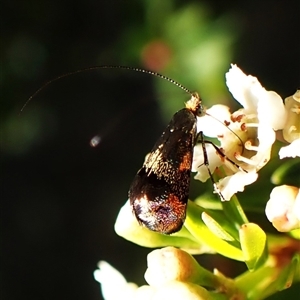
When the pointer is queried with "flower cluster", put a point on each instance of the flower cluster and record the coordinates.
(171, 274)
(246, 138)
(247, 135)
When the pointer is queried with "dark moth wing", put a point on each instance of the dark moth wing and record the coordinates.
(159, 192)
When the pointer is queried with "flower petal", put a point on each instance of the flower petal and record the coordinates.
(113, 283)
(270, 109)
(198, 166)
(291, 129)
(243, 88)
(292, 150)
(229, 185)
(212, 123)
(266, 137)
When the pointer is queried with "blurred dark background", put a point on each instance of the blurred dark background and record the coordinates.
(60, 197)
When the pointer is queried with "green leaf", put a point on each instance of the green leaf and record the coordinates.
(295, 234)
(287, 173)
(202, 233)
(254, 245)
(216, 228)
(234, 211)
(286, 277)
(269, 279)
(252, 285)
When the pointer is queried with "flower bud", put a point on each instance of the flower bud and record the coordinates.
(283, 208)
(168, 264)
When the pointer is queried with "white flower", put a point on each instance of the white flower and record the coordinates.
(171, 274)
(246, 136)
(291, 130)
(283, 208)
(113, 284)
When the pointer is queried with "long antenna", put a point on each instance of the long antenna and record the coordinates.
(105, 67)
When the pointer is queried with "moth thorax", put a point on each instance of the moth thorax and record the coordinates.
(194, 104)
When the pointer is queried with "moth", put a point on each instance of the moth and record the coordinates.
(159, 192)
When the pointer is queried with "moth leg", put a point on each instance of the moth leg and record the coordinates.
(224, 155)
(206, 162)
(200, 138)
